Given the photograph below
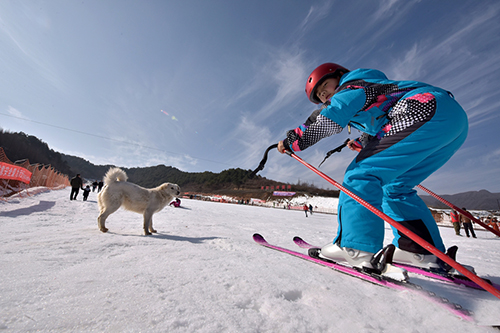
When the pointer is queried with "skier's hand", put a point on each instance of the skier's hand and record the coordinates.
(281, 147)
(354, 145)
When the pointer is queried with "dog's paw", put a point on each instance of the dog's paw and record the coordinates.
(154, 231)
(104, 229)
(147, 233)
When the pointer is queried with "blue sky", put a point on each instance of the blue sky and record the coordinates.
(209, 85)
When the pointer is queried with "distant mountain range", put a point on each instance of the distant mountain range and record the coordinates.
(19, 146)
(475, 200)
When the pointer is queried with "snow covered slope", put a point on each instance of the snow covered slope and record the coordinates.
(202, 272)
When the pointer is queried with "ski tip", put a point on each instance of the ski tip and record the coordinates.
(258, 238)
(302, 243)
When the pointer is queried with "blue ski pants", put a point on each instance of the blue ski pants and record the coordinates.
(387, 173)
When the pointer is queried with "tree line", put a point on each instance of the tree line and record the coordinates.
(20, 146)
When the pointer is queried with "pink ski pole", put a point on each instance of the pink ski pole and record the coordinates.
(426, 245)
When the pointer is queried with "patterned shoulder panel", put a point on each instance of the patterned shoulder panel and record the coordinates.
(385, 96)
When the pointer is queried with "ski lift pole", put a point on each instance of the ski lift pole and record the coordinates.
(461, 211)
(426, 245)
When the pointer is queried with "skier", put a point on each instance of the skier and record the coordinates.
(410, 129)
(456, 221)
(495, 225)
(305, 208)
(175, 203)
(492, 222)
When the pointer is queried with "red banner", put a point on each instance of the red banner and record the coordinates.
(9, 171)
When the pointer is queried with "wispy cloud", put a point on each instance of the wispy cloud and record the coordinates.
(25, 40)
(432, 50)
(253, 139)
(386, 9)
(389, 14)
(483, 112)
(286, 80)
(410, 64)
(278, 79)
(15, 112)
(316, 13)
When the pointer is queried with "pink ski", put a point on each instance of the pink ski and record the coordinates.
(455, 279)
(454, 308)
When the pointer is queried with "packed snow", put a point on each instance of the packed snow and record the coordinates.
(202, 272)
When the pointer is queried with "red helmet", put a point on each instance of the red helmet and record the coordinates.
(321, 73)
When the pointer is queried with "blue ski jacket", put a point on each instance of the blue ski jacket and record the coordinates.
(365, 100)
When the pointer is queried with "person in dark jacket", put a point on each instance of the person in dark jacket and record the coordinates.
(99, 186)
(76, 184)
(467, 223)
(86, 192)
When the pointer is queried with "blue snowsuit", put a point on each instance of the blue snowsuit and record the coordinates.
(410, 130)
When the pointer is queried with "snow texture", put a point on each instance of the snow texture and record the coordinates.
(202, 272)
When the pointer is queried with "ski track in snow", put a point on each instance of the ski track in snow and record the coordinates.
(203, 272)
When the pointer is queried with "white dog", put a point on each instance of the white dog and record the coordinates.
(118, 192)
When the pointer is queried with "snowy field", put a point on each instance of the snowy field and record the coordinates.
(202, 272)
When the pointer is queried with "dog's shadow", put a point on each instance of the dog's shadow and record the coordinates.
(42, 206)
(193, 240)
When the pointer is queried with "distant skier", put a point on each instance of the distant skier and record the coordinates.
(455, 219)
(305, 208)
(492, 222)
(467, 224)
(410, 129)
(310, 209)
(175, 203)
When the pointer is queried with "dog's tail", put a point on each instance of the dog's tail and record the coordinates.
(115, 175)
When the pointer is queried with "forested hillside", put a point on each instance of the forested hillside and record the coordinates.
(21, 146)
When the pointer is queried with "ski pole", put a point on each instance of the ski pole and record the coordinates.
(449, 204)
(461, 211)
(336, 150)
(263, 161)
(426, 245)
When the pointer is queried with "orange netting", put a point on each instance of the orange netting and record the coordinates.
(42, 176)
